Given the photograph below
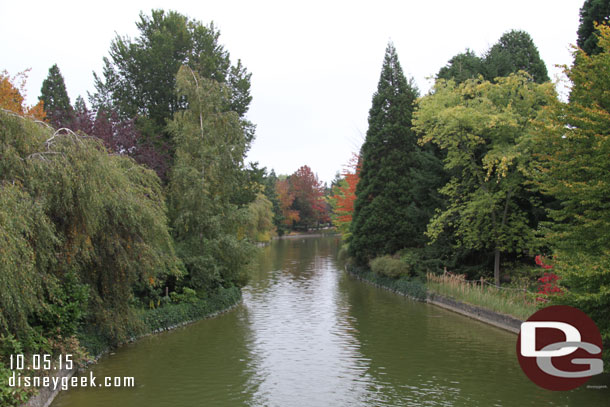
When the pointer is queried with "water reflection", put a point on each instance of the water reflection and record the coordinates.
(303, 335)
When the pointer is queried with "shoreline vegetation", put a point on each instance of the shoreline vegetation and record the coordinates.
(519, 303)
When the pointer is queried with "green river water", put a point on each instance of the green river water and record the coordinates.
(308, 334)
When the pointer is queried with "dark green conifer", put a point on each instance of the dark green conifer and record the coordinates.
(55, 98)
(515, 51)
(463, 66)
(398, 178)
(592, 11)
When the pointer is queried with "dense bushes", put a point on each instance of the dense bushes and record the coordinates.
(175, 310)
(389, 266)
(192, 309)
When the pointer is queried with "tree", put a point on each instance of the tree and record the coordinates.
(24, 240)
(572, 165)
(89, 217)
(210, 149)
(119, 136)
(515, 51)
(82, 120)
(270, 182)
(463, 66)
(259, 227)
(12, 95)
(398, 178)
(483, 127)
(139, 78)
(592, 12)
(286, 198)
(308, 197)
(344, 196)
(56, 101)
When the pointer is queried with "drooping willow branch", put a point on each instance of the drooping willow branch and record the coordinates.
(198, 97)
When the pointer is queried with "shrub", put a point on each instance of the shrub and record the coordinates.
(188, 296)
(194, 308)
(343, 254)
(389, 267)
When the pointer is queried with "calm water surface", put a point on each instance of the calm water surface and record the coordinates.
(307, 334)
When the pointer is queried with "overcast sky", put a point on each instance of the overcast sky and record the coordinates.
(314, 64)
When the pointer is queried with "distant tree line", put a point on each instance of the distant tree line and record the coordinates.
(302, 201)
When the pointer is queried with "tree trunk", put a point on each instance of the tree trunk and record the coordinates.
(497, 267)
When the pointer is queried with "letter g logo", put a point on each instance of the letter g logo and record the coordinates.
(552, 346)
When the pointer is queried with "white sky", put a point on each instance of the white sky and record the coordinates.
(314, 64)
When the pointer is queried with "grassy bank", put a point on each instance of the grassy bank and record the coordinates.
(509, 301)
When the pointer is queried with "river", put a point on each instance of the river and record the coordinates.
(308, 334)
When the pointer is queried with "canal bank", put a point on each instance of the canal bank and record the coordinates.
(487, 316)
(416, 290)
(156, 320)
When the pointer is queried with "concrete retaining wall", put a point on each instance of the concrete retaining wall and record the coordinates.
(497, 319)
(46, 395)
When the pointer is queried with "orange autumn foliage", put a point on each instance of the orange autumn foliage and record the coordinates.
(12, 96)
(286, 198)
(345, 196)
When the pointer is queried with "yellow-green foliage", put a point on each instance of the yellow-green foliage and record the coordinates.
(573, 166)
(260, 219)
(210, 147)
(25, 236)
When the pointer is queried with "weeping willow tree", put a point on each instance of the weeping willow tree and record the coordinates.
(210, 149)
(26, 234)
(259, 227)
(84, 232)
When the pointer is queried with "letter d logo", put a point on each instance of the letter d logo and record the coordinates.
(528, 338)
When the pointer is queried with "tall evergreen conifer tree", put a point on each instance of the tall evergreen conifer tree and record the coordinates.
(55, 99)
(515, 51)
(592, 11)
(398, 178)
